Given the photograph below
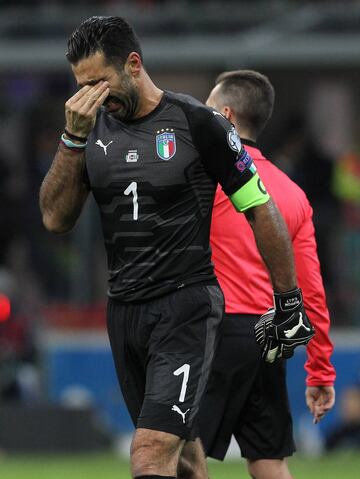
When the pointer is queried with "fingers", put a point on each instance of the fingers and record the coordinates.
(311, 405)
(318, 409)
(86, 96)
(99, 101)
(79, 94)
(323, 403)
(319, 400)
(80, 110)
(319, 414)
(271, 353)
(85, 103)
(330, 397)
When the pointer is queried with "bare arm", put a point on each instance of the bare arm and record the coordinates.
(274, 245)
(63, 191)
(284, 328)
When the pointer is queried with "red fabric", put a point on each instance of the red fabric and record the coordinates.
(243, 275)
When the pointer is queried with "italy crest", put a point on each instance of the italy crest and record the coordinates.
(165, 144)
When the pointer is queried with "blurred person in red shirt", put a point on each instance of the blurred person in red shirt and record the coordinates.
(247, 397)
(19, 375)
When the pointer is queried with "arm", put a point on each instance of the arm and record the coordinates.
(320, 393)
(63, 191)
(286, 326)
(320, 371)
(274, 245)
(229, 164)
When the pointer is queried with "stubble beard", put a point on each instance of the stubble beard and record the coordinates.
(128, 101)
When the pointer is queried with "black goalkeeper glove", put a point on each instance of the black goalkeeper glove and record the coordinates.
(279, 331)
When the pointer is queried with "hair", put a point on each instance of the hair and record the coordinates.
(250, 95)
(112, 36)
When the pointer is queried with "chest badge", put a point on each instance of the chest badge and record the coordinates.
(165, 143)
(132, 156)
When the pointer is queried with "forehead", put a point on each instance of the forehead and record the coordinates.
(92, 69)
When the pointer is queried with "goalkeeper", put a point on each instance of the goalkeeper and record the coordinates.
(246, 395)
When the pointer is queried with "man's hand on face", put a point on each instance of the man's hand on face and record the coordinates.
(81, 109)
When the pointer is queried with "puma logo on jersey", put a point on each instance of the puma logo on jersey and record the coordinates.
(289, 333)
(179, 411)
(104, 147)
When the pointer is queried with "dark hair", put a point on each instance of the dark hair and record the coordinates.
(112, 36)
(250, 95)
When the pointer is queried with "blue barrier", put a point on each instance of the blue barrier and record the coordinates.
(73, 363)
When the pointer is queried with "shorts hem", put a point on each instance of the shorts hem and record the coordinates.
(182, 433)
(258, 457)
(220, 456)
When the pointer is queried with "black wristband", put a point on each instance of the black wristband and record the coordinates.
(71, 136)
(289, 301)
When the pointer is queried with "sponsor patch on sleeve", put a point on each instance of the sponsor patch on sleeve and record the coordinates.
(233, 139)
(245, 162)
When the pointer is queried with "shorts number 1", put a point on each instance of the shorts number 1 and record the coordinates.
(185, 368)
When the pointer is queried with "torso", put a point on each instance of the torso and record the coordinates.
(155, 200)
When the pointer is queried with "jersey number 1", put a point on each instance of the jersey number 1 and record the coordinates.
(132, 188)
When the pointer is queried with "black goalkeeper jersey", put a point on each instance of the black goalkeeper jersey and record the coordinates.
(154, 181)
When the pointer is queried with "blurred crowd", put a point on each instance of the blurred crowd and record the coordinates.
(39, 269)
(47, 266)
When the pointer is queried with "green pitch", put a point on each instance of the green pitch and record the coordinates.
(107, 466)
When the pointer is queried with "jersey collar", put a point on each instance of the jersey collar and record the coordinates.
(253, 149)
(251, 143)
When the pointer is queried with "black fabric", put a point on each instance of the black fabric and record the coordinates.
(290, 326)
(163, 351)
(155, 477)
(246, 397)
(247, 142)
(211, 133)
(156, 201)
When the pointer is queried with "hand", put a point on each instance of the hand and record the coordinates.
(269, 346)
(81, 109)
(319, 399)
(281, 330)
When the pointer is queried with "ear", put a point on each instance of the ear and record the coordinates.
(228, 113)
(134, 64)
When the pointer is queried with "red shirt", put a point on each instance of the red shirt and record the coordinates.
(244, 278)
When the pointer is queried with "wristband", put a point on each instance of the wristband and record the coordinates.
(288, 301)
(72, 145)
(71, 136)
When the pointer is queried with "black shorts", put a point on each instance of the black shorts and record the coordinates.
(163, 350)
(246, 397)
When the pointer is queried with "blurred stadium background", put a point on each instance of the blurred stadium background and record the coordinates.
(58, 391)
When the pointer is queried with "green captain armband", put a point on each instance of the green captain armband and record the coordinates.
(253, 193)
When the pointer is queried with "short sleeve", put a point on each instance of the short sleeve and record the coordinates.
(224, 157)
